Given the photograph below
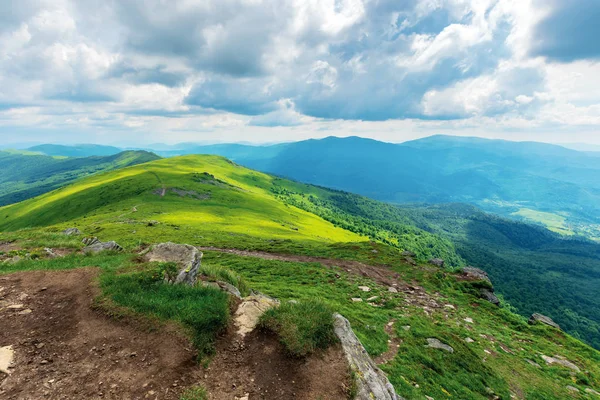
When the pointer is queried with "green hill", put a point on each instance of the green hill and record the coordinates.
(27, 174)
(210, 201)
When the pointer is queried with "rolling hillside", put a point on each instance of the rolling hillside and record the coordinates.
(26, 175)
(209, 201)
(80, 150)
(514, 179)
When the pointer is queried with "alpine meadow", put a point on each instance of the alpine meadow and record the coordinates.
(299, 199)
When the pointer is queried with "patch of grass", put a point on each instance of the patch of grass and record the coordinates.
(302, 327)
(194, 393)
(203, 310)
(217, 272)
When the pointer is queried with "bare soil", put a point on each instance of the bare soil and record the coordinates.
(65, 349)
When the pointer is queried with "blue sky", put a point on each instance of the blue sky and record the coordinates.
(129, 72)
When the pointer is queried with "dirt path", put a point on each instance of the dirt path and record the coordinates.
(258, 367)
(66, 350)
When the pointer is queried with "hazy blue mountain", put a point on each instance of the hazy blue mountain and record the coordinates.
(499, 176)
(79, 150)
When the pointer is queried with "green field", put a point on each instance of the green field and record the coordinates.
(209, 201)
(554, 222)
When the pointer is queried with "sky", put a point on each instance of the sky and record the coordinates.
(135, 72)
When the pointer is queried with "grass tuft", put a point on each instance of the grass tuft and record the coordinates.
(302, 327)
(203, 310)
(194, 393)
(217, 272)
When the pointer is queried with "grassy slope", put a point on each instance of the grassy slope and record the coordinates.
(236, 201)
(245, 210)
(26, 175)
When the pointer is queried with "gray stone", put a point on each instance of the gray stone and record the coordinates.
(476, 274)
(592, 391)
(572, 388)
(392, 290)
(88, 241)
(408, 253)
(436, 344)
(543, 319)
(229, 288)
(560, 361)
(488, 294)
(187, 257)
(72, 231)
(371, 382)
(469, 340)
(250, 310)
(438, 262)
(98, 246)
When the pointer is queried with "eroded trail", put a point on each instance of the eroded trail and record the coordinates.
(65, 350)
(382, 275)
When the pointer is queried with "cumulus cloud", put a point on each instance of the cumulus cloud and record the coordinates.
(246, 64)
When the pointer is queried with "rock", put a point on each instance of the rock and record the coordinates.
(436, 344)
(15, 307)
(533, 363)
(13, 260)
(226, 287)
(371, 382)
(408, 253)
(406, 327)
(488, 294)
(560, 361)
(449, 306)
(469, 340)
(410, 260)
(249, 311)
(187, 257)
(7, 355)
(356, 299)
(88, 241)
(25, 312)
(50, 253)
(98, 246)
(572, 388)
(592, 391)
(373, 298)
(468, 320)
(72, 231)
(543, 319)
(392, 290)
(475, 274)
(364, 288)
(438, 262)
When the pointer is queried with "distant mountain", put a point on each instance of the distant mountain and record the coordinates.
(79, 150)
(499, 176)
(24, 176)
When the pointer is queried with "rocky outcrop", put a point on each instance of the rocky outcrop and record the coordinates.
(438, 262)
(408, 253)
(371, 381)
(187, 257)
(476, 274)
(488, 294)
(72, 231)
(535, 318)
(93, 245)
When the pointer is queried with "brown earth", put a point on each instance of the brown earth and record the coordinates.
(64, 349)
(257, 366)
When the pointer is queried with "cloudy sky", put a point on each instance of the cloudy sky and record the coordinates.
(144, 71)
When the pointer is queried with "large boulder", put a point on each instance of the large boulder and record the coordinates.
(535, 318)
(187, 257)
(371, 382)
(488, 294)
(99, 246)
(71, 231)
(438, 262)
